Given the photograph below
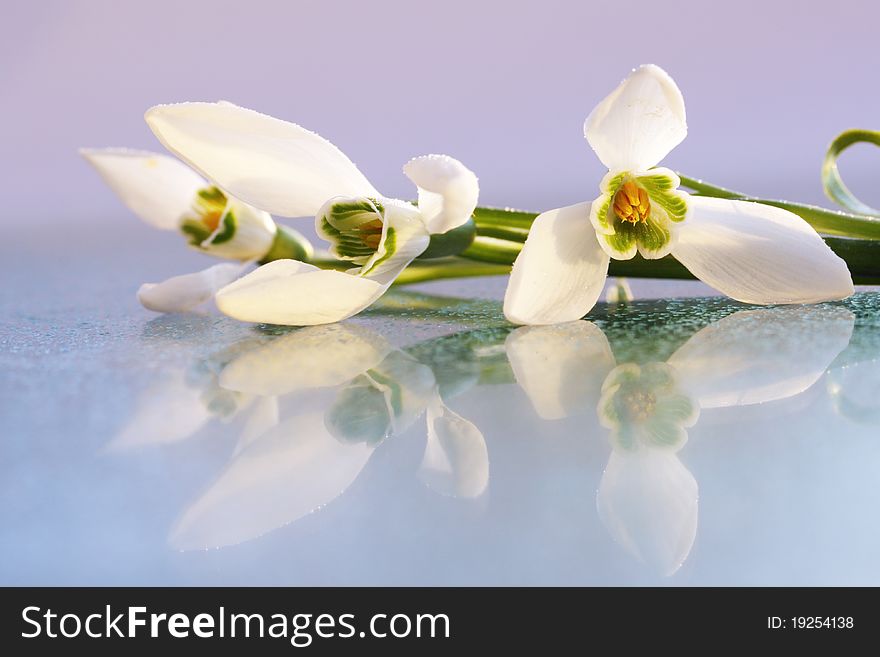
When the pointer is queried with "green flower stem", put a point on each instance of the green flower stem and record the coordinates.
(288, 243)
(862, 256)
(828, 222)
(831, 180)
(430, 270)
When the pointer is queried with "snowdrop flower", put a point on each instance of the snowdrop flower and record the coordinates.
(168, 195)
(647, 498)
(290, 171)
(751, 252)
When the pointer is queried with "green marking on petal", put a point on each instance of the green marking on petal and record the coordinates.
(195, 230)
(666, 434)
(623, 242)
(393, 387)
(229, 224)
(359, 414)
(353, 226)
(602, 218)
(390, 246)
(663, 191)
(652, 237)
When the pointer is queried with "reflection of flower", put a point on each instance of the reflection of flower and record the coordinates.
(369, 391)
(283, 168)
(751, 252)
(642, 405)
(168, 195)
(647, 498)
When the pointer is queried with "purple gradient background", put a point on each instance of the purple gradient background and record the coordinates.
(502, 86)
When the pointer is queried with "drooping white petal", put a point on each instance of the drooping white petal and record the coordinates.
(456, 460)
(297, 294)
(560, 272)
(448, 191)
(759, 254)
(755, 356)
(168, 411)
(561, 368)
(647, 501)
(157, 188)
(183, 293)
(274, 165)
(292, 470)
(312, 357)
(639, 122)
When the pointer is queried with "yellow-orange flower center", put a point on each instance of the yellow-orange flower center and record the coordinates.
(631, 203)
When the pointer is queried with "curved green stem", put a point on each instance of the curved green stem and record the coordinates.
(828, 222)
(831, 180)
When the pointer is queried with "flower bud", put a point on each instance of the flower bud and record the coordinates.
(227, 228)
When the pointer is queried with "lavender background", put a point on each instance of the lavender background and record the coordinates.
(502, 86)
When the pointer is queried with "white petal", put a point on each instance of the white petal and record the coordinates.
(170, 410)
(639, 122)
(648, 502)
(183, 293)
(456, 460)
(294, 469)
(448, 191)
(759, 254)
(274, 165)
(312, 357)
(157, 188)
(297, 294)
(560, 272)
(561, 368)
(756, 356)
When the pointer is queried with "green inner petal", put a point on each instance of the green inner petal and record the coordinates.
(195, 230)
(663, 193)
(603, 214)
(623, 239)
(227, 232)
(651, 235)
(390, 246)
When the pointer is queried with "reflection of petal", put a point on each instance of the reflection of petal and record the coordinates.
(168, 411)
(648, 502)
(263, 417)
(292, 470)
(756, 356)
(456, 461)
(313, 357)
(855, 391)
(384, 400)
(561, 367)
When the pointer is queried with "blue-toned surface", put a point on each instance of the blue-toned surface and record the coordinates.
(686, 441)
